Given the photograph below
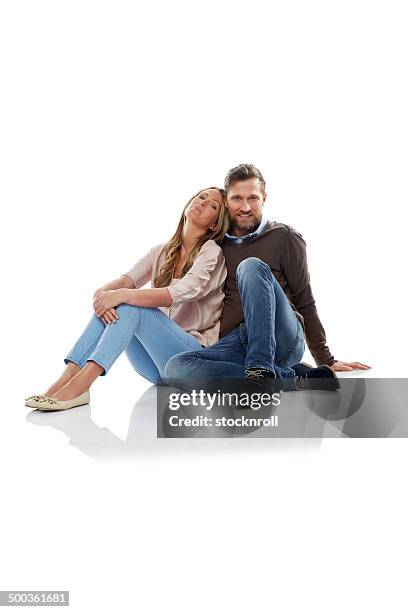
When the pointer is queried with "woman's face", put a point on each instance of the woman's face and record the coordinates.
(205, 208)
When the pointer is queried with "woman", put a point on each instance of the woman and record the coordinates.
(179, 313)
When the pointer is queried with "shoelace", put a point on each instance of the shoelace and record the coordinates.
(301, 382)
(255, 374)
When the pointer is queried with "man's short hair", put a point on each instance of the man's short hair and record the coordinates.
(243, 172)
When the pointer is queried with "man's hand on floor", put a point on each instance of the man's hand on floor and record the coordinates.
(348, 366)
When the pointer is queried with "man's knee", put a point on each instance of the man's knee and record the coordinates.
(251, 267)
(179, 366)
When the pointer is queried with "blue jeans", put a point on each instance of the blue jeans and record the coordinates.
(271, 337)
(147, 335)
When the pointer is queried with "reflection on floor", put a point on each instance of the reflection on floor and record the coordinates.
(100, 443)
(366, 408)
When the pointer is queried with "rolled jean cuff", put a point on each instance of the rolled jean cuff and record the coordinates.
(68, 360)
(261, 366)
(105, 367)
(284, 372)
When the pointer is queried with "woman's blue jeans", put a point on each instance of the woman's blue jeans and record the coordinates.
(271, 337)
(147, 335)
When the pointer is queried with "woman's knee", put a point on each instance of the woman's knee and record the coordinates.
(127, 309)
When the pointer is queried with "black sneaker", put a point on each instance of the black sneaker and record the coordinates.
(259, 380)
(321, 379)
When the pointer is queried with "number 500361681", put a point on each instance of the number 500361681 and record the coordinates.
(34, 598)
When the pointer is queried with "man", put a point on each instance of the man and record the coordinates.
(269, 309)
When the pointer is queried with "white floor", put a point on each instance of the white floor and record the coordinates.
(94, 503)
(120, 423)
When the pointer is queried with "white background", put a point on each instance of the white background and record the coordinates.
(112, 116)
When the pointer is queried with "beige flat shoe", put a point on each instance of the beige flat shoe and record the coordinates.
(32, 401)
(49, 403)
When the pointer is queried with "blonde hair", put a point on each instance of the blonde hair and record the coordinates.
(172, 248)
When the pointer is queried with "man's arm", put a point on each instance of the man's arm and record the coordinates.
(296, 271)
(297, 275)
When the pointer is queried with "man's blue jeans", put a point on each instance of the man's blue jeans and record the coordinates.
(147, 335)
(271, 337)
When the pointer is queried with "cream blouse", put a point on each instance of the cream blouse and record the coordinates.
(197, 297)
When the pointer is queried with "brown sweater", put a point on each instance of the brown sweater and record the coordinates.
(284, 250)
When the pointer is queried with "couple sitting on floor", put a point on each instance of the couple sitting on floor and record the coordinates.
(230, 297)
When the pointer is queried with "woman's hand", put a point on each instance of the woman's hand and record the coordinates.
(110, 316)
(98, 291)
(106, 300)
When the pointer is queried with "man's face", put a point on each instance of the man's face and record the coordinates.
(245, 200)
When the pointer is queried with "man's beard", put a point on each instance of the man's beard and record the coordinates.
(236, 224)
